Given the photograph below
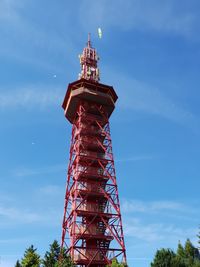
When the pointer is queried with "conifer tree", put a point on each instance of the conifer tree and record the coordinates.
(31, 258)
(191, 253)
(199, 239)
(164, 258)
(64, 260)
(189, 249)
(51, 256)
(180, 256)
(18, 264)
(180, 250)
(187, 256)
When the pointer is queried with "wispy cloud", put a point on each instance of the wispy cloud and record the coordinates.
(8, 263)
(167, 208)
(152, 206)
(9, 9)
(143, 97)
(146, 98)
(13, 241)
(18, 216)
(23, 172)
(31, 42)
(34, 96)
(140, 97)
(135, 158)
(159, 229)
(50, 190)
(13, 216)
(141, 15)
(158, 232)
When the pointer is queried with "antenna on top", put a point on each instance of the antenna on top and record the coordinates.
(88, 62)
(89, 40)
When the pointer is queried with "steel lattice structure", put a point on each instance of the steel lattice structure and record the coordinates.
(92, 225)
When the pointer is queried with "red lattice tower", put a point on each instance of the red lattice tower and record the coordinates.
(92, 225)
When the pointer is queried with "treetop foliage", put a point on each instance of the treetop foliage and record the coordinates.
(115, 263)
(199, 238)
(51, 256)
(185, 256)
(31, 258)
(18, 264)
(54, 257)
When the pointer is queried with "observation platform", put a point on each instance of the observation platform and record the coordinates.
(89, 91)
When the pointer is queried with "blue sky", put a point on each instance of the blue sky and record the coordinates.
(150, 53)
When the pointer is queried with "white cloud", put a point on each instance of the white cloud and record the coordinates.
(12, 216)
(135, 95)
(140, 97)
(135, 158)
(13, 240)
(140, 15)
(30, 97)
(143, 97)
(50, 190)
(9, 9)
(16, 215)
(160, 229)
(157, 232)
(23, 172)
(154, 206)
(7, 263)
(25, 40)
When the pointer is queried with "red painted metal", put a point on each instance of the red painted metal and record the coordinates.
(92, 229)
(88, 62)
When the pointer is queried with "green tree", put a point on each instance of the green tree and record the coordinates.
(180, 251)
(199, 238)
(164, 258)
(18, 264)
(187, 256)
(51, 256)
(190, 250)
(115, 263)
(180, 256)
(191, 254)
(64, 260)
(31, 258)
(196, 263)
